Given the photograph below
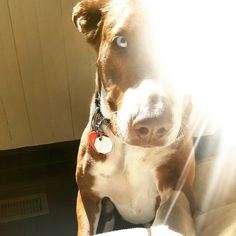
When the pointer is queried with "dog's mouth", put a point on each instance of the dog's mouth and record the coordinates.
(157, 141)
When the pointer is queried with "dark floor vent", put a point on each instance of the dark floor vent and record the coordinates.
(23, 207)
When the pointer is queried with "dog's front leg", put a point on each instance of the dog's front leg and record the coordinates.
(88, 211)
(175, 212)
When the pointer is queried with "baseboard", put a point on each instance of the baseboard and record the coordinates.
(39, 155)
(34, 165)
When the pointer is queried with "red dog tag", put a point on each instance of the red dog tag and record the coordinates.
(93, 135)
(101, 144)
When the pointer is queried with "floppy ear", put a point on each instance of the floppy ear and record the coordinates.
(87, 16)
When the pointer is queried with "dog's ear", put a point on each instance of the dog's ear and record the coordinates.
(87, 16)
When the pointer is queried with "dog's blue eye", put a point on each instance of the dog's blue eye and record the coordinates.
(121, 42)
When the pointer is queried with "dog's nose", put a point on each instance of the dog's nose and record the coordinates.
(150, 126)
(149, 131)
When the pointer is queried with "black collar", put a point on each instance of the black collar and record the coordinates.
(98, 118)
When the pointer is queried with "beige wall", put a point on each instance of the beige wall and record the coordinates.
(46, 73)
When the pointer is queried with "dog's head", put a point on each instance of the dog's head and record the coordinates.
(144, 107)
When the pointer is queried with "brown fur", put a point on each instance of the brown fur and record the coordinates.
(119, 69)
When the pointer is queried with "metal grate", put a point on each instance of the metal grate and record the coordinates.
(23, 207)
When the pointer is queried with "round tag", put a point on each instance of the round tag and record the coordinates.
(103, 144)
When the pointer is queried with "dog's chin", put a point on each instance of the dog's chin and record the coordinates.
(159, 142)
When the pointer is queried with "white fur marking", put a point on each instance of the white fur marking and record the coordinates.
(128, 178)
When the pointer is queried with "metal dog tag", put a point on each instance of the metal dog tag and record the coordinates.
(103, 144)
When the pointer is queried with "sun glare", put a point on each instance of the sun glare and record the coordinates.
(196, 47)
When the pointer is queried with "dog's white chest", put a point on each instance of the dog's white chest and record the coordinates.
(127, 177)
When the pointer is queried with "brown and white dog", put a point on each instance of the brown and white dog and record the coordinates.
(136, 149)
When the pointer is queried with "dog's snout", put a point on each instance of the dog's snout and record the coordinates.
(146, 117)
(149, 131)
(150, 126)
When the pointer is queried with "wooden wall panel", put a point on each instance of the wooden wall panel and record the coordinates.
(5, 137)
(11, 90)
(46, 73)
(81, 69)
(53, 54)
(28, 46)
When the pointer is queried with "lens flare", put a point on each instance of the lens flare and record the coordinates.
(196, 49)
